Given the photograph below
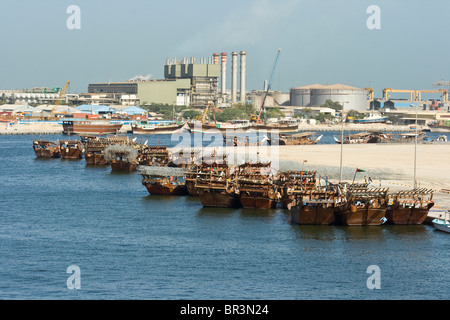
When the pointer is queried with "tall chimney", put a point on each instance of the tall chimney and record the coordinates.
(243, 70)
(216, 58)
(234, 55)
(224, 73)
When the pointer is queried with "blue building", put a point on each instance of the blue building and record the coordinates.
(95, 109)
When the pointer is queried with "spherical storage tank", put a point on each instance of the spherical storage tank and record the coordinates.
(351, 98)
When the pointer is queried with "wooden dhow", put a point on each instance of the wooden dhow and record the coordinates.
(363, 207)
(316, 206)
(409, 206)
(216, 186)
(256, 186)
(46, 149)
(71, 149)
(291, 181)
(303, 138)
(163, 180)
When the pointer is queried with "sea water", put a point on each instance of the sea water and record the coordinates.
(70, 231)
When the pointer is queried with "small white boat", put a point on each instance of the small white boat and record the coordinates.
(442, 224)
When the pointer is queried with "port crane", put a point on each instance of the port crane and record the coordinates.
(444, 93)
(370, 93)
(258, 120)
(386, 91)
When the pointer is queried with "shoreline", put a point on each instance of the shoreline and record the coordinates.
(55, 128)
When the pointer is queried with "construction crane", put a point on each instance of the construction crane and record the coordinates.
(442, 83)
(386, 91)
(444, 93)
(258, 120)
(210, 105)
(62, 93)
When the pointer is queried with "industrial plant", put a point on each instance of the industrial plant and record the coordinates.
(199, 82)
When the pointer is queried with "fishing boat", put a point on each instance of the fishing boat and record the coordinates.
(409, 137)
(372, 118)
(154, 156)
(230, 126)
(440, 126)
(191, 179)
(46, 149)
(94, 147)
(146, 127)
(315, 206)
(363, 207)
(71, 149)
(280, 127)
(362, 137)
(291, 182)
(122, 157)
(216, 186)
(303, 138)
(409, 206)
(90, 127)
(442, 224)
(256, 186)
(163, 180)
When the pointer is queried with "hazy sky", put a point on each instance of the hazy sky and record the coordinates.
(324, 41)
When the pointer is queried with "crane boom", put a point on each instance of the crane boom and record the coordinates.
(268, 86)
(62, 93)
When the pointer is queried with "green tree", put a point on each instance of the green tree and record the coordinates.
(191, 114)
(322, 117)
(355, 114)
(333, 105)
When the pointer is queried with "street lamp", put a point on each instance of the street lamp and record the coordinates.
(415, 150)
(342, 139)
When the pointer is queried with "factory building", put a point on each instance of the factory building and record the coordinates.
(351, 98)
(167, 91)
(186, 82)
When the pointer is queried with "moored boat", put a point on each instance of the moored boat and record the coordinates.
(442, 224)
(363, 207)
(46, 149)
(71, 149)
(122, 157)
(409, 206)
(87, 126)
(163, 180)
(291, 182)
(303, 138)
(94, 147)
(256, 186)
(146, 127)
(280, 127)
(315, 206)
(216, 186)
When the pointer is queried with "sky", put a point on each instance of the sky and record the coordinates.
(322, 41)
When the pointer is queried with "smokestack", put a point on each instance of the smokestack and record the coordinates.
(243, 71)
(224, 73)
(234, 55)
(216, 58)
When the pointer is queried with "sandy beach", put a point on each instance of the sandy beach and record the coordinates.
(388, 165)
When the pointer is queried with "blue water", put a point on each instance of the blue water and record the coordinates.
(130, 245)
